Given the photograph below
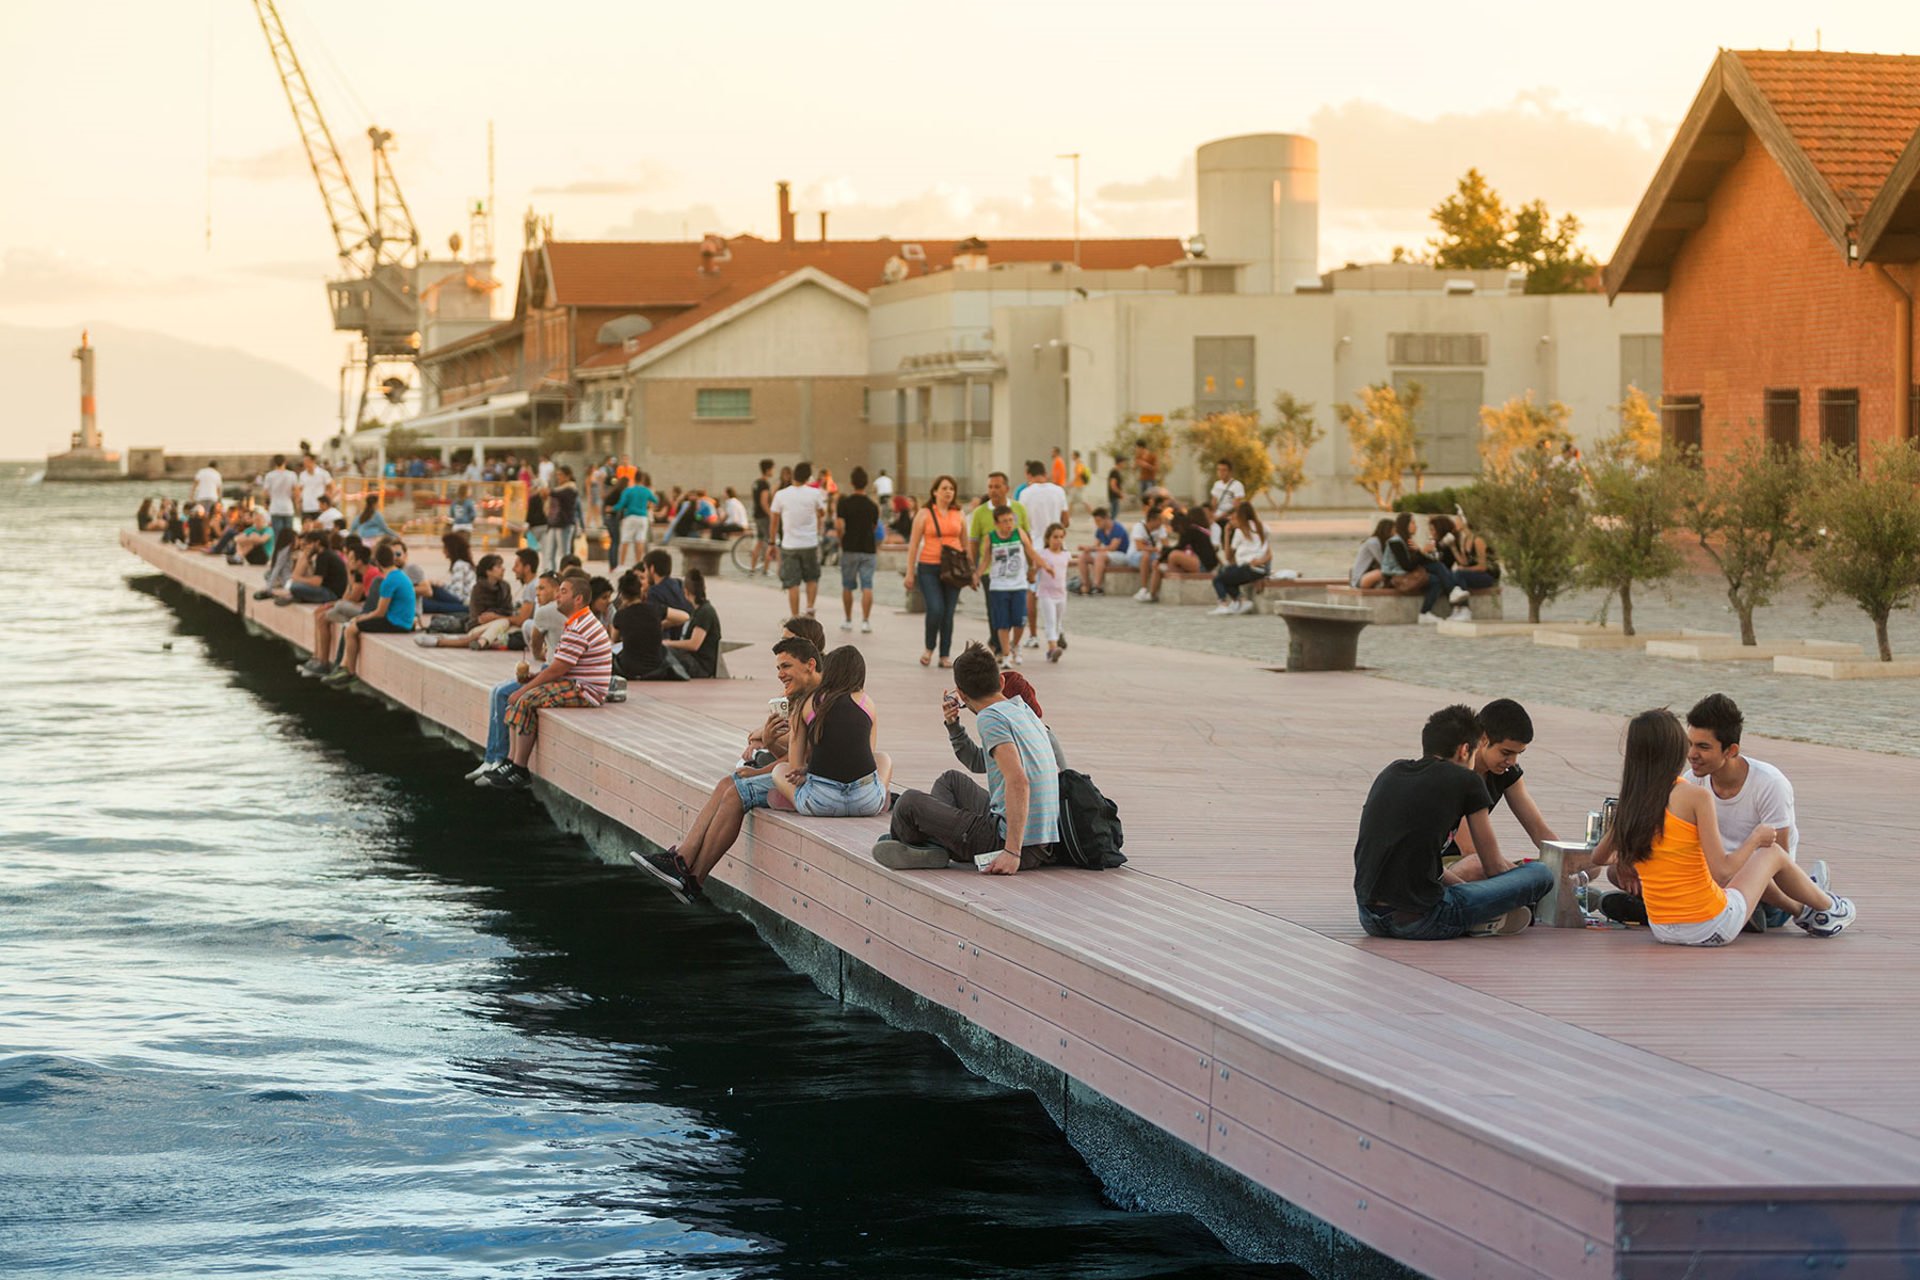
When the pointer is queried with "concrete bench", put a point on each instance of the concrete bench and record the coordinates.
(703, 554)
(1196, 588)
(1391, 608)
(1323, 637)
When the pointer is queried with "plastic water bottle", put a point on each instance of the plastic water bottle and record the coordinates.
(1587, 898)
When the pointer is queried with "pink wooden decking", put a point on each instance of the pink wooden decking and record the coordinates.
(1561, 1103)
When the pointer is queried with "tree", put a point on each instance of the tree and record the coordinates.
(1291, 438)
(1479, 233)
(1386, 443)
(1521, 427)
(1743, 513)
(1236, 438)
(1159, 438)
(1635, 504)
(1866, 544)
(1534, 512)
(1639, 435)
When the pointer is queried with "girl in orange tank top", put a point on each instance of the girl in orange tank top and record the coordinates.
(1667, 838)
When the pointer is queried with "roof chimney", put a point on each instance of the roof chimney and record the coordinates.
(786, 215)
(823, 226)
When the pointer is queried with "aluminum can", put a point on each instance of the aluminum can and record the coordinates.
(1593, 826)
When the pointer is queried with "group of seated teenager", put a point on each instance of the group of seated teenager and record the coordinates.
(1703, 844)
(1446, 569)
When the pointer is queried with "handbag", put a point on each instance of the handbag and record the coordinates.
(956, 567)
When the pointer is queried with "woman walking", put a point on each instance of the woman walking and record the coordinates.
(939, 528)
(832, 769)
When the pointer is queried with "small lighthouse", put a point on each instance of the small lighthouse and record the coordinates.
(86, 460)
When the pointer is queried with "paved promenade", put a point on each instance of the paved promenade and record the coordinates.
(1561, 1103)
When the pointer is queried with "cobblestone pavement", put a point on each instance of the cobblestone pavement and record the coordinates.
(1869, 715)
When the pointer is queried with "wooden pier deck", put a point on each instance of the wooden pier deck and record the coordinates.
(1563, 1103)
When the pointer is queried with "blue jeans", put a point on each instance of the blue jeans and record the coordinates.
(308, 594)
(442, 601)
(1228, 581)
(1464, 905)
(941, 602)
(1440, 583)
(498, 738)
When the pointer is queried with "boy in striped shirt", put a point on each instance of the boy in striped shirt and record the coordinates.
(575, 676)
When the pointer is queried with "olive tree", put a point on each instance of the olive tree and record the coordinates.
(1744, 512)
(1386, 442)
(1291, 437)
(1533, 509)
(1633, 505)
(1865, 533)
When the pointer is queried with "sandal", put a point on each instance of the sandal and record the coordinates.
(926, 659)
(946, 664)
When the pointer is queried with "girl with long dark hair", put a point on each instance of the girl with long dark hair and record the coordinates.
(455, 593)
(832, 769)
(1667, 837)
(699, 648)
(939, 525)
(1248, 559)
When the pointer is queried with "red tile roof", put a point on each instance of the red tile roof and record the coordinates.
(1852, 113)
(736, 290)
(652, 273)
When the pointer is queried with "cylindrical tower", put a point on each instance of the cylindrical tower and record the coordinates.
(1259, 198)
(89, 435)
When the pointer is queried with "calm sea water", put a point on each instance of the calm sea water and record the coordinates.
(279, 993)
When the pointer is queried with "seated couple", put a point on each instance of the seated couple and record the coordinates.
(1709, 852)
(815, 755)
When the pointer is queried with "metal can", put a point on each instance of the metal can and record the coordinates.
(1608, 808)
(1593, 826)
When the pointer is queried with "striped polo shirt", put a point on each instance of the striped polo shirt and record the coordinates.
(585, 646)
(1013, 721)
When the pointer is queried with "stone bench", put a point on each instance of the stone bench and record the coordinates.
(1321, 636)
(1392, 609)
(703, 554)
(1196, 588)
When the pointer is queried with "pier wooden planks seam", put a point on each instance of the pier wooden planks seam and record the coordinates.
(1557, 1104)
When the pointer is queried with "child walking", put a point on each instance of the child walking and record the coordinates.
(1050, 586)
(1006, 561)
(1667, 836)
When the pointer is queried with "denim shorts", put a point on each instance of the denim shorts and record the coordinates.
(753, 790)
(825, 798)
(856, 570)
(1006, 610)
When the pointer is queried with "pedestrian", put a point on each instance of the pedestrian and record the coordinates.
(1050, 588)
(797, 512)
(857, 524)
(1004, 556)
(938, 565)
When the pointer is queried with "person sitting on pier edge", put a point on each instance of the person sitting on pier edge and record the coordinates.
(969, 753)
(319, 573)
(254, 543)
(1413, 807)
(1506, 730)
(698, 644)
(537, 608)
(362, 577)
(640, 624)
(489, 610)
(1747, 793)
(450, 596)
(575, 676)
(394, 612)
(684, 867)
(540, 633)
(663, 588)
(833, 769)
(462, 511)
(1666, 833)
(371, 523)
(1018, 815)
(328, 517)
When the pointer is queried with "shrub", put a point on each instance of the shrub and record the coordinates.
(1386, 443)
(1292, 439)
(1743, 513)
(1521, 427)
(1438, 502)
(1866, 541)
(1534, 512)
(1234, 438)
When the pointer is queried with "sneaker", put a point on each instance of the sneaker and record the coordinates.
(1220, 610)
(283, 600)
(847, 625)
(1063, 640)
(1033, 642)
(1099, 591)
(1459, 596)
(1245, 606)
(1506, 926)
(1623, 908)
(426, 640)
(898, 855)
(668, 869)
(1053, 655)
(337, 677)
(508, 777)
(866, 628)
(313, 667)
(1429, 619)
(1824, 924)
(486, 767)
(1143, 595)
(1462, 614)
(263, 593)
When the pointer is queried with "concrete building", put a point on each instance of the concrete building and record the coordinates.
(1782, 231)
(1019, 364)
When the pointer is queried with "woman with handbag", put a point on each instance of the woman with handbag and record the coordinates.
(939, 565)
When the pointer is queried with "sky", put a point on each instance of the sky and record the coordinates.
(154, 178)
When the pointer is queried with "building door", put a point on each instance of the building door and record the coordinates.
(1448, 417)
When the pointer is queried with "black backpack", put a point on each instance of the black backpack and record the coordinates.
(1090, 834)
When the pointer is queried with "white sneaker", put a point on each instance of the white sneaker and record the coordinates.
(1245, 606)
(1143, 595)
(1459, 595)
(847, 625)
(1220, 611)
(1429, 619)
(1824, 924)
(867, 628)
(485, 768)
(426, 640)
(1033, 642)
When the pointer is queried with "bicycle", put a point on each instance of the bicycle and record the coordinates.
(741, 552)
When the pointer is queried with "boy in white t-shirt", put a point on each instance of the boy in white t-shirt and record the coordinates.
(796, 512)
(1747, 793)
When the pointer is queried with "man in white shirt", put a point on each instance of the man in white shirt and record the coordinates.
(1747, 793)
(327, 516)
(545, 472)
(796, 512)
(315, 483)
(206, 484)
(1228, 493)
(883, 491)
(1046, 504)
(280, 484)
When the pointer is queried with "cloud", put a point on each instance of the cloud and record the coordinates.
(289, 161)
(688, 222)
(39, 277)
(1044, 209)
(305, 269)
(646, 178)
(1165, 189)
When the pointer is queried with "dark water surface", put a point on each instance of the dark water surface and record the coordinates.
(280, 993)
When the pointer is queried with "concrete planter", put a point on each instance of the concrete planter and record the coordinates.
(1829, 668)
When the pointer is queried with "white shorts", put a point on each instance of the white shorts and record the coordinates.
(1717, 932)
(635, 529)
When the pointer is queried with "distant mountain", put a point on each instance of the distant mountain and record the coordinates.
(153, 390)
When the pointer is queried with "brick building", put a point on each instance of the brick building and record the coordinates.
(1783, 230)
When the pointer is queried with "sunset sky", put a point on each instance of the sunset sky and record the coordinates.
(135, 129)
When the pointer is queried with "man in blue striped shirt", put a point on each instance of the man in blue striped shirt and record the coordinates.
(1016, 819)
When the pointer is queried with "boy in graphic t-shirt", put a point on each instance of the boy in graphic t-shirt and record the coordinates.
(1005, 557)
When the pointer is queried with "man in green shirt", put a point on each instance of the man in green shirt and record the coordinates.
(997, 496)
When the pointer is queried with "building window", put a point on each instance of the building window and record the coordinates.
(735, 403)
(1840, 420)
(1640, 365)
(1222, 374)
(1448, 419)
(1680, 421)
(1783, 419)
(1436, 348)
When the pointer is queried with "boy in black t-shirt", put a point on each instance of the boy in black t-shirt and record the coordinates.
(1507, 731)
(1411, 811)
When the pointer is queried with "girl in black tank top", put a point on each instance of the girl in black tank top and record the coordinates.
(832, 744)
